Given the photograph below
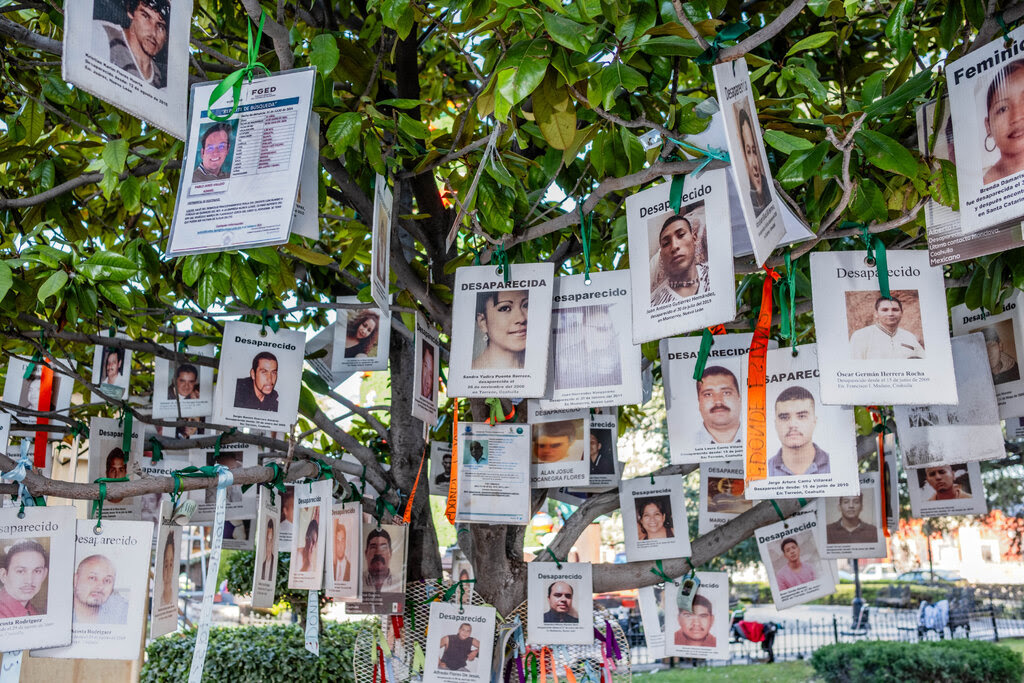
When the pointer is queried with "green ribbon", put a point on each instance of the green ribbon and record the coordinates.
(675, 192)
(708, 154)
(586, 232)
(778, 510)
(693, 570)
(126, 435)
(383, 504)
(158, 451)
(233, 82)
(787, 304)
(275, 484)
(558, 563)
(876, 253)
(497, 414)
(730, 32)
(325, 470)
(707, 340)
(183, 344)
(268, 322)
(80, 429)
(503, 266)
(97, 505)
(37, 357)
(659, 570)
(1007, 41)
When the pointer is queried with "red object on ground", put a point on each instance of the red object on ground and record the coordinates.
(752, 630)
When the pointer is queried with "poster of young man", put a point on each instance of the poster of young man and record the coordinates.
(460, 642)
(240, 176)
(133, 55)
(654, 518)
(380, 244)
(108, 459)
(163, 613)
(426, 370)
(699, 627)
(182, 388)
(682, 277)
(234, 455)
(558, 442)
(721, 494)
(891, 351)
(110, 587)
(33, 394)
(851, 526)
(493, 474)
(947, 241)
(946, 490)
(593, 358)
(36, 561)
(984, 87)
(341, 581)
(797, 573)
(440, 471)
(268, 526)
(312, 512)
(382, 581)
(651, 600)
(112, 369)
(1005, 353)
(560, 603)
(260, 376)
(362, 337)
(941, 435)
(758, 199)
(501, 331)
(305, 216)
(603, 451)
(811, 447)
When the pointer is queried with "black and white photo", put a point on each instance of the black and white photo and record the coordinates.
(440, 470)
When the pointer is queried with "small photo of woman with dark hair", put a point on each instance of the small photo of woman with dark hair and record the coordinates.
(757, 177)
(654, 518)
(501, 327)
(361, 331)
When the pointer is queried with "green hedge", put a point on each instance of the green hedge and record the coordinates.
(960, 661)
(869, 591)
(256, 653)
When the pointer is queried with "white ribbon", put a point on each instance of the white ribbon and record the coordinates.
(224, 480)
(18, 475)
(10, 672)
(312, 623)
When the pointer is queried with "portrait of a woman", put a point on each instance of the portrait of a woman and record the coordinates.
(308, 551)
(1004, 130)
(654, 518)
(501, 319)
(361, 334)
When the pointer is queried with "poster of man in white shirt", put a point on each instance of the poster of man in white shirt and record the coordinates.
(892, 329)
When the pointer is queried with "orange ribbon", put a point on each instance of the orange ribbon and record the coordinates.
(45, 392)
(757, 445)
(453, 483)
(407, 515)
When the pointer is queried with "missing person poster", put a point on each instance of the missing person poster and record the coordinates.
(382, 581)
(941, 435)
(758, 199)
(1004, 347)
(946, 490)
(811, 447)
(32, 393)
(493, 473)
(380, 243)
(497, 348)
(112, 369)
(593, 358)
(253, 394)
(426, 370)
(697, 619)
(108, 459)
(133, 55)
(110, 588)
(797, 572)
(851, 526)
(681, 266)
(721, 494)
(341, 581)
(984, 87)
(947, 240)
(558, 439)
(268, 528)
(440, 471)
(163, 614)
(559, 603)
(891, 351)
(312, 510)
(460, 642)
(654, 518)
(284, 535)
(651, 600)
(36, 562)
(240, 177)
(320, 356)
(182, 388)
(362, 336)
(234, 455)
(306, 215)
(604, 465)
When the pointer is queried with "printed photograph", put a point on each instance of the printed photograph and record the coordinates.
(427, 371)
(459, 649)
(560, 606)
(851, 519)
(308, 557)
(945, 482)
(165, 587)
(795, 560)
(476, 452)
(654, 518)
(341, 562)
(794, 412)
(284, 536)
(132, 35)
(24, 570)
(757, 177)
(693, 627)
(383, 555)
(1004, 153)
(215, 153)
(362, 331)
(725, 495)
(112, 370)
(499, 341)
(558, 441)
(257, 390)
(585, 332)
(101, 593)
(720, 403)
(602, 451)
(1001, 347)
(266, 560)
(679, 254)
(881, 328)
(440, 467)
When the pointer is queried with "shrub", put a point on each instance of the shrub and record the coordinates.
(255, 653)
(963, 661)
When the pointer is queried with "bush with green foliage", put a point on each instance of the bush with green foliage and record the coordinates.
(256, 653)
(962, 661)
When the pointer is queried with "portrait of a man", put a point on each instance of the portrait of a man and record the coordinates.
(556, 442)
(695, 624)
(560, 607)
(444, 477)
(168, 571)
(257, 392)
(342, 567)
(95, 600)
(884, 338)
(459, 649)
(378, 577)
(795, 572)
(721, 407)
(850, 528)
(602, 460)
(137, 46)
(185, 386)
(23, 572)
(681, 269)
(795, 421)
(943, 481)
(116, 467)
(1003, 365)
(214, 150)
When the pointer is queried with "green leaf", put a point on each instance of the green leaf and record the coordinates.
(944, 186)
(401, 103)
(614, 76)
(397, 14)
(344, 131)
(786, 143)
(671, 46)
(896, 30)
(521, 72)
(812, 42)
(909, 90)
(567, 32)
(33, 118)
(315, 382)
(56, 282)
(106, 265)
(885, 153)
(243, 281)
(412, 127)
(56, 90)
(6, 279)
(115, 294)
(323, 53)
(556, 117)
(43, 174)
(131, 191)
(308, 255)
(806, 78)
(191, 270)
(802, 165)
(115, 154)
(973, 296)
(207, 292)
(307, 402)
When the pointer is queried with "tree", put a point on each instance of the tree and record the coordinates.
(478, 111)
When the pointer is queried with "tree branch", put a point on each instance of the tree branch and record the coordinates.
(765, 34)
(278, 34)
(22, 35)
(141, 169)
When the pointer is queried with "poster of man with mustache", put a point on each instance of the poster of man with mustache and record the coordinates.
(382, 583)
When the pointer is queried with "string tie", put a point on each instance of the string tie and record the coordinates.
(17, 475)
(497, 414)
(268, 321)
(503, 266)
(97, 505)
(659, 570)
(706, 342)
(586, 232)
(233, 82)
(706, 154)
(558, 563)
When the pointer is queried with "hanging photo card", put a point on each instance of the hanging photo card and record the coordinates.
(697, 617)
(593, 358)
(382, 581)
(851, 526)
(1004, 347)
(558, 441)
(681, 263)
(284, 534)
(108, 459)
(425, 372)
(983, 90)
(234, 455)
(460, 643)
(946, 490)
(560, 603)
(440, 471)
(948, 242)
(110, 588)
(605, 468)
(651, 600)
(501, 331)
(111, 369)
(941, 435)
(343, 568)
(133, 55)
(149, 503)
(721, 494)
(320, 356)
(163, 614)
(797, 572)
(37, 392)
(181, 388)
(305, 215)
(462, 568)
(654, 518)
(380, 244)
(493, 473)
(268, 528)
(36, 562)
(362, 337)
(881, 351)
(758, 199)
(890, 481)
(811, 447)
(240, 176)
(312, 510)
(260, 376)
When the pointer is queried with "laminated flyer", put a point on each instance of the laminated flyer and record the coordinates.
(1004, 347)
(341, 579)
(440, 469)
(163, 611)
(721, 494)
(654, 518)
(311, 509)
(651, 600)
(460, 642)
(797, 570)
(32, 393)
(306, 216)
(493, 473)
(681, 264)
(559, 603)
(426, 372)
(268, 526)
(108, 459)
(697, 619)
(382, 581)
(604, 465)
(559, 440)
(112, 369)
(851, 526)
(240, 505)
(946, 490)
(362, 337)
(183, 389)
(240, 177)
(320, 356)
